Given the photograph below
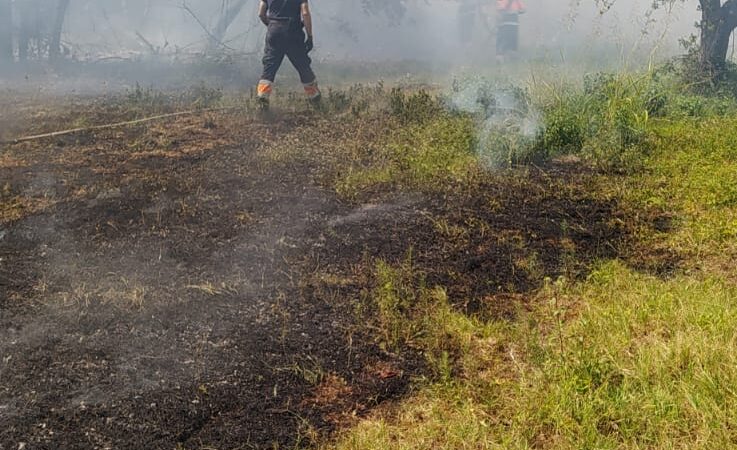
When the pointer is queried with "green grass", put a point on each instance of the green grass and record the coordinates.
(418, 156)
(692, 174)
(647, 363)
(619, 360)
(623, 360)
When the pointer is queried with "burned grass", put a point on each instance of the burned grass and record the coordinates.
(199, 282)
(153, 299)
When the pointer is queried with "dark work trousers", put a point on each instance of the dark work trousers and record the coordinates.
(507, 38)
(286, 38)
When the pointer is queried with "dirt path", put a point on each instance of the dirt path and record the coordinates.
(156, 295)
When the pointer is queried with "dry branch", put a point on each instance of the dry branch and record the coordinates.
(147, 43)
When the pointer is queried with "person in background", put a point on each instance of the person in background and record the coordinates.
(507, 37)
(286, 22)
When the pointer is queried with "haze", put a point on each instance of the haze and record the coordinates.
(428, 31)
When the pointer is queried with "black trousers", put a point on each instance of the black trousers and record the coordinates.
(285, 38)
(507, 38)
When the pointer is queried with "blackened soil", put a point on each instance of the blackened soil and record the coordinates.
(169, 285)
(153, 296)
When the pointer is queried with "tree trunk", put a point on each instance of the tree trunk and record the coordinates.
(6, 30)
(227, 17)
(27, 30)
(717, 24)
(55, 41)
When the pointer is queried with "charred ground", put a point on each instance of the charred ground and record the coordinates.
(198, 282)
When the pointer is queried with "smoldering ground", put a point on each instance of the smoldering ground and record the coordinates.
(200, 283)
(142, 310)
(195, 282)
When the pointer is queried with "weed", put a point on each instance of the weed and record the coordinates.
(411, 314)
(606, 122)
(628, 361)
(148, 100)
(692, 174)
(413, 107)
(505, 142)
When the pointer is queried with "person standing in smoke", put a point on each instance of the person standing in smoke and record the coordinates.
(507, 37)
(286, 22)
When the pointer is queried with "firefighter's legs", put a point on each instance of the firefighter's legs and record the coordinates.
(273, 58)
(272, 62)
(300, 59)
(281, 41)
(274, 53)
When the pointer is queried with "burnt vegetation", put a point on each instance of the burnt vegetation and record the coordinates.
(207, 280)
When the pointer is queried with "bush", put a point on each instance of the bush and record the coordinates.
(565, 124)
(413, 107)
(506, 121)
(606, 122)
(508, 140)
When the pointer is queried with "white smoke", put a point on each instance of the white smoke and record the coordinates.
(508, 123)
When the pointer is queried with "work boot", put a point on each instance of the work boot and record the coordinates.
(263, 103)
(313, 93)
(264, 90)
(315, 101)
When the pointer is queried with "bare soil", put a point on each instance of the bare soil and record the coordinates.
(172, 285)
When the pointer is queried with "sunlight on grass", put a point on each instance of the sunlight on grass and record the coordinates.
(420, 156)
(693, 175)
(640, 363)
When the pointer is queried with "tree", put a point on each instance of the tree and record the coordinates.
(393, 9)
(6, 30)
(229, 11)
(57, 28)
(718, 22)
(228, 14)
(39, 28)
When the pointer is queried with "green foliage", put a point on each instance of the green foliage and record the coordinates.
(411, 314)
(694, 105)
(506, 122)
(413, 107)
(621, 359)
(693, 174)
(508, 140)
(675, 92)
(397, 295)
(356, 99)
(566, 117)
(646, 364)
(606, 122)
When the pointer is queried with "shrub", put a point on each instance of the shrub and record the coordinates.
(606, 122)
(413, 107)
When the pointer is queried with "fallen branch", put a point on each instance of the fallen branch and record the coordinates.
(112, 125)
